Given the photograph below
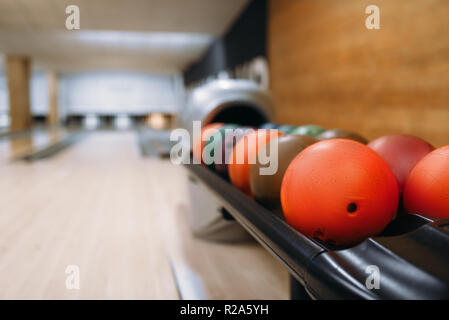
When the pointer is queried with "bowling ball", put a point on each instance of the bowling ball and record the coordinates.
(286, 128)
(426, 190)
(341, 134)
(266, 189)
(309, 130)
(269, 125)
(200, 140)
(228, 144)
(244, 154)
(339, 191)
(213, 143)
(402, 152)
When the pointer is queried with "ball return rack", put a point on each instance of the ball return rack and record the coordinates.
(409, 260)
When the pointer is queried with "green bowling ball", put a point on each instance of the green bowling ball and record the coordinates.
(228, 143)
(312, 130)
(214, 142)
(286, 128)
(269, 125)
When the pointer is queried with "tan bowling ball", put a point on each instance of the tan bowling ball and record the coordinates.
(266, 188)
(341, 134)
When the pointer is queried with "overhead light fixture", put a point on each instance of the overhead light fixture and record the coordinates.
(144, 39)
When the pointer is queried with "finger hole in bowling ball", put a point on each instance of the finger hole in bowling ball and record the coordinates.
(352, 208)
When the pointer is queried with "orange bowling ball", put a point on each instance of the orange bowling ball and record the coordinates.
(245, 151)
(426, 190)
(200, 140)
(339, 191)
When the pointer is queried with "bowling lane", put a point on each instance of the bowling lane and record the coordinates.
(121, 219)
(11, 148)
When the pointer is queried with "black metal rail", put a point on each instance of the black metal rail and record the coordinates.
(409, 260)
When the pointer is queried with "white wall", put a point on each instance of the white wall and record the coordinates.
(3, 93)
(117, 92)
(102, 92)
(39, 93)
(4, 118)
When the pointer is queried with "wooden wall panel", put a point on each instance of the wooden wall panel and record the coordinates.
(18, 74)
(53, 108)
(328, 68)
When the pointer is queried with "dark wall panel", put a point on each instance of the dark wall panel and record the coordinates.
(245, 40)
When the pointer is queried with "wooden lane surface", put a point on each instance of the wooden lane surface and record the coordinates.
(121, 219)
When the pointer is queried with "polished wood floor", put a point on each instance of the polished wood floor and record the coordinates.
(122, 219)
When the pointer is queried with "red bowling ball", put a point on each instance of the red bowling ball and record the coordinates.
(401, 152)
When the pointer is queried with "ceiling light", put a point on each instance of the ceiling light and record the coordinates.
(143, 39)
